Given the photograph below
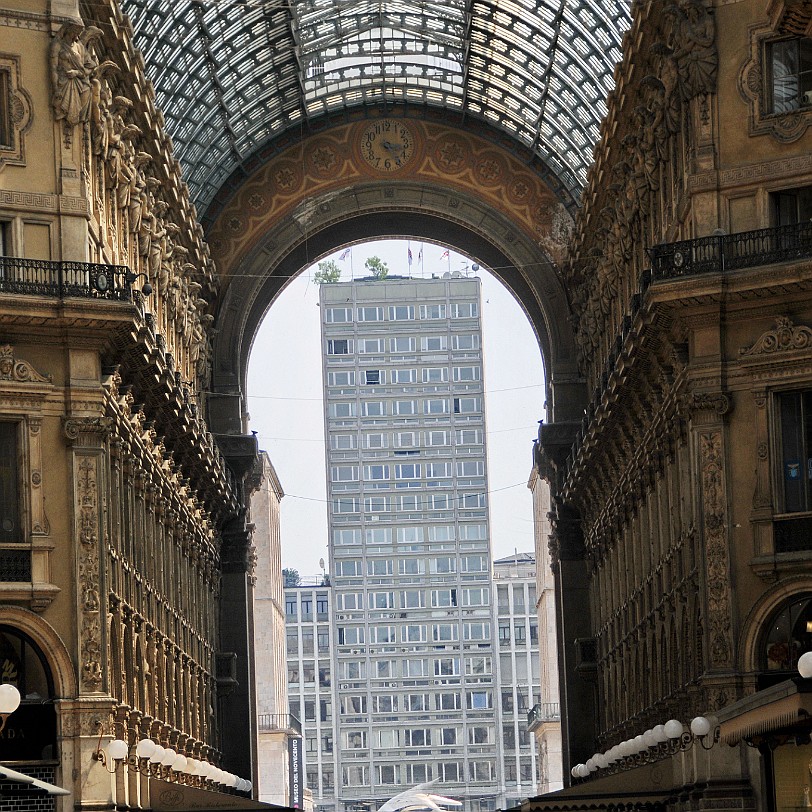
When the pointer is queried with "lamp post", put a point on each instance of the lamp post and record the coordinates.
(9, 702)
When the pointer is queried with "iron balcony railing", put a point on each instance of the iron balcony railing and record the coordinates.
(543, 712)
(48, 278)
(279, 721)
(730, 252)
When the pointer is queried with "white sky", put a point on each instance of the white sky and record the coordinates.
(285, 401)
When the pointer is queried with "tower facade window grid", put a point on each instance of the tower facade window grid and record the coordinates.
(409, 539)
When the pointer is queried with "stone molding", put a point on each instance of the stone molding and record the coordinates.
(785, 337)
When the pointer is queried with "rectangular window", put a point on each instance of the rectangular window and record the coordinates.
(346, 505)
(407, 471)
(386, 738)
(401, 312)
(410, 535)
(403, 344)
(447, 667)
(476, 596)
(437, 438)
(373, 408)
(345, 536)
(450, 771)
(478, 666)
(467, 405)
(375, 504)
(338, 346)
(417, 773)
(795, 416)
(414, 633)
(349, 601)
(411, 566)
(382, 600)
(435, 406)
(11, 530)
(441, 501)
(438, 470)
(379, 566)
(442, 565)
(409, 503)
(339, 315)
(6, 131)
(466, 374)
(442, 532)
(464, 310)
(433, 343)
(435, 374)
(356, 739)
(415, 668)
(348, 569)
(344, 473)
(434, 311)
(342, 410)
(443, 597)
(407, 439)
(376, 441)
(444, 632)
(474, 563)
(417, 737)
(373, 377)
(341, 379)
(387, 773)
(382, 634)
(476, 631)
(355, 776)
(448, 736)
(370, 314)
(404, 407)
(465, 342)
(790, 65)
(412, 599)
(378, 535)
(385, 669)
(479, 700)
(472, 532)
(374, 473)
(469, 501)
(470, 468)
(350, 635)
(404, 376)
(5, 239)
(367, 346)
(343, 442)
(449, 701)
(468, 437)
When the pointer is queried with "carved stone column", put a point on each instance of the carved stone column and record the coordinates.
(708, 411)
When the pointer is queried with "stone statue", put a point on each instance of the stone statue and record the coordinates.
(694, 48)
(72, 68)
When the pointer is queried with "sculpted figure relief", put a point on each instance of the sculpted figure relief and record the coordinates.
(72, 69)
(694, 43)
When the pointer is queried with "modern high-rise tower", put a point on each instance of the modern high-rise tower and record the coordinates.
(409, 539)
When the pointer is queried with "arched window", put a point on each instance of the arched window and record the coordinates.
(30, 732)
(787, 636)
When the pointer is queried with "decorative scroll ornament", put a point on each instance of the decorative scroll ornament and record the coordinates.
(13, 369)
(717, 402)
(784, 338)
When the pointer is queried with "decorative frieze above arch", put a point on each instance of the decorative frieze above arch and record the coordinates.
(343, 156)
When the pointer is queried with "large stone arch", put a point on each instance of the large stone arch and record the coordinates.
(319, 193)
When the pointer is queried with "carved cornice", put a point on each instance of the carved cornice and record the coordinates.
(786, 337)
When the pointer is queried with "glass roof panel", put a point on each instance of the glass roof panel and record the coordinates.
(232, 74)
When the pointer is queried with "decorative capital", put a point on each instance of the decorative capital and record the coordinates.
(86, 431)
(784, 338)
(718, 403)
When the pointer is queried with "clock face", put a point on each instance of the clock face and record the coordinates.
(387, 145)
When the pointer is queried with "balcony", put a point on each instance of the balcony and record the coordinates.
(730, 252)
(272, 722)
(542, 713)
(39, 277)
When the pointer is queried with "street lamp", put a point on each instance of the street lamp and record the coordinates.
(9, 702)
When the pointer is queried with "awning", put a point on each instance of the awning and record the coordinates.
(170, 797)
(22, 778)
(786, 707)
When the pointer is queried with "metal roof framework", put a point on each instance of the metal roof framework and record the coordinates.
(232, 75)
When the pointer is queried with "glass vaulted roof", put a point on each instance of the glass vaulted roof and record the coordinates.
(232, 74)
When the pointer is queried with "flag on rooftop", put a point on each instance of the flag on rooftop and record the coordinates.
(345, 253)
(444, 254)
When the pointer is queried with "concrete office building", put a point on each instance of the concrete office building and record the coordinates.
(409, 540)
(517, 674)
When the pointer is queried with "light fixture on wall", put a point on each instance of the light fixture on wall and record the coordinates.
(112, 755)
(655, 744)
(9, 702)
(805, 665)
